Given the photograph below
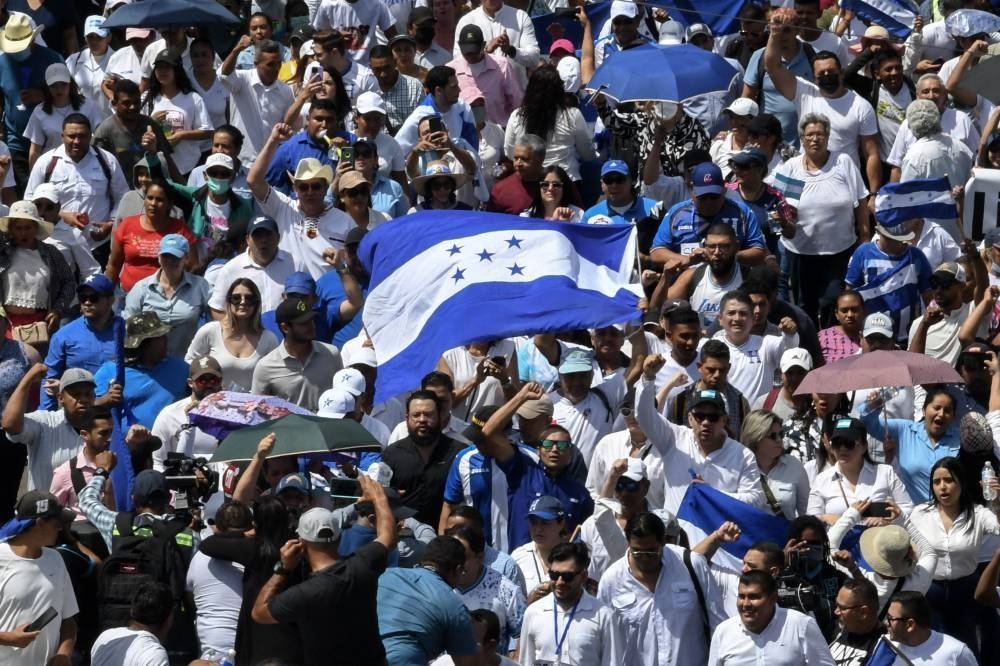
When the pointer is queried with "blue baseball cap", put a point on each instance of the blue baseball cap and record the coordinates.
(300, 283)
(615, 166)
(577, 360)
(98, 283)
(707, 179)
(294, 481)
(261, 222)
(547, 507)
(175, 245)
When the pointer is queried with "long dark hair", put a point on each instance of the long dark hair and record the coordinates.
(340, 98)
(155, 88)
(544, 99)
(966, 499)
(570, 197)
(270, 519)
(76, 98)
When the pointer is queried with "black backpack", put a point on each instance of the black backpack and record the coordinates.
(151, 551)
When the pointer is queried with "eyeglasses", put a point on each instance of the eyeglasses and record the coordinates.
(357, 192)
(310, 187)
(841, 443)
(843, 608)
(627, 486)
(565, 576)
(889, 619)
(560, 445)
(205, 380)
(650, 554)
(613, 180)
(240, 299)
(551, 185)
(719, 247)
(90, 297)
(711, 417)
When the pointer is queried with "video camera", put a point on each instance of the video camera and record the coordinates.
(794, 589)
(181, 474)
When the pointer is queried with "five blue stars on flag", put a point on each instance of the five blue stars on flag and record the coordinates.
(485, 255)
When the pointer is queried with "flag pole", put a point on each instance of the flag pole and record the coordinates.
(123, 473)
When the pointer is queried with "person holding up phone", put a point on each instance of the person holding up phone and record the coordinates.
(36, 583)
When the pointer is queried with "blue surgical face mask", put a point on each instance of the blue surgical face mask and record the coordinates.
(219, 185)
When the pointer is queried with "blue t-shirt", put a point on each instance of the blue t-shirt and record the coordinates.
(329, 295)
(602, 213)
(892, 285)
(16, 76)
(323, 332)
(77, 345)
(683, 228)
(147, 390)
(527, 479)
(420, 616)
(299, 146)
(774, 102)
(470, 481)
(358, 535)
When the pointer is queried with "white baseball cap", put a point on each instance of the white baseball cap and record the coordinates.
(624, 8)
(636, 469)
(335, 403)
(57, 72)
(220, 160)
(796, 357)
(46, 191)
(364, 356)
(371, 101)
(94, 25)
(877, 323)
(349, 380)
(743, 106)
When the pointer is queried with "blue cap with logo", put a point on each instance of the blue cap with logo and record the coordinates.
(547, 507)
(262, 222)
(98, 283)
(707, 396)
(615, 166)
(300, 283)
(707, 179)
(175, 245)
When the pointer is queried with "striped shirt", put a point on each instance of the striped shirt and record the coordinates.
(892, 285)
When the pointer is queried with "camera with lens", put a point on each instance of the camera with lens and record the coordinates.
(181, 473)
(794, 589)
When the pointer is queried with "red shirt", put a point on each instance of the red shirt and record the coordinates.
(511, 196)
(141, 248)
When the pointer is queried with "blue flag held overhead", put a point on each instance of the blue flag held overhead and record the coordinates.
(896, 16)
(446, 278)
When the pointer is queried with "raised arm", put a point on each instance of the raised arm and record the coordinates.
(494, 444)
(257, 177)
(781, 76)
(17, 404)
(660, 432)
(385, 524)
(246, 487)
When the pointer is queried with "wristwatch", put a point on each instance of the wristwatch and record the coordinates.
(100, 471)
(280, 570)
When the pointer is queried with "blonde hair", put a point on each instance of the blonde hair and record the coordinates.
(756, 426)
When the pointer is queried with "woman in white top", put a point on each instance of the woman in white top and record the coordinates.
(533, 557)
(956, 528)
(171, 101)
(546, 113)
(854, 477)
(206, 83)
(786, 486)
(61, 98)
(89, 66)
(484, 373)
(238, 341)
(556, 196)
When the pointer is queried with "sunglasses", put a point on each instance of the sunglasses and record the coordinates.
(357, 192)
(627, 486)
(711, 417)
(646, 553)
(613, 180)
(91, 297)
(560, 445)
(565, 576)
(841, 443)
(310, 187)
(551, 185)
(206, 380)
(238, 299)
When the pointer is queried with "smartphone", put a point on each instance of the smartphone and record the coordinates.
(347, 155)
(345, 488)
(565, 12)
(877, 510)
(314, 72)
(435, 124)
(43, 620)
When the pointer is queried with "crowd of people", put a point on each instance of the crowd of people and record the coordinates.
(182, 210)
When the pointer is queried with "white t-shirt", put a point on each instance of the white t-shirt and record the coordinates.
(851, 116)
(122, 646)
(942, 340)
(28, 588)
(754, 362)
(217, 586)
(826, 206)
(358, 21)
(938, 650)
(45, 129)
(185, 111)
(589, 420)
(237, 372)
(890, 113)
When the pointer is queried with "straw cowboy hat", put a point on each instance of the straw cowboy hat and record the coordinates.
(26, 210)
(437, 169)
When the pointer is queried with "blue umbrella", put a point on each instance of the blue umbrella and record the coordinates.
(969, 22)
(662, 73)
(169, 14)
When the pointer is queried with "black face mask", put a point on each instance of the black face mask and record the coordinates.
(828, 83)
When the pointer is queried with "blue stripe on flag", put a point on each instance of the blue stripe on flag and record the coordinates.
(897, 203)
(788, 186)
(918, 185)
(720, 15)
(882, 655)
(896, 16)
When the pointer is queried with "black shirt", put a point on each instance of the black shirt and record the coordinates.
(335, 610)
(422, 483)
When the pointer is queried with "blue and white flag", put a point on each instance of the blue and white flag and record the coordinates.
(884, 654)
(897, 203)
(896, 16)
(790, 187)
(441, 279)
(704, 509)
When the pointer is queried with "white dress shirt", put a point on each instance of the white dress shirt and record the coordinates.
(270, 279)
(515, 22)
(832, 494)
(938, 650)
(789, 484)
(791, 638)
(256, 108)
(667, 625)
(592, 637)
(958, 548)
(731, 469)
(618, 445)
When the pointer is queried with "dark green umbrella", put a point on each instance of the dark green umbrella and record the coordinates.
(298, 435)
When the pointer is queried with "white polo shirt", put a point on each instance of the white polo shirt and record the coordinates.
(832, 494)
(592, 637)
(270, 279)
(256, 108)
(306, 238)
(790, 639)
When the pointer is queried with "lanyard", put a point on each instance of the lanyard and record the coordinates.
(555, 624)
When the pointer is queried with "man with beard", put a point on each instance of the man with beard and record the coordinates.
(936, 332)
(860, 627)
(172, 426)
(420, 462)
(663, 598)
(766, 632)
(530, 474)
(704, 285)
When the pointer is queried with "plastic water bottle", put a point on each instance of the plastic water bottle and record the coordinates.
(229, 659)
(988, 476)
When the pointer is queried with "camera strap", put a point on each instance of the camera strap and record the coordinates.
(896, 588)
(698, 591)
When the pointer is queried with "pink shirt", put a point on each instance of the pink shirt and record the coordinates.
(496, 82)
(836, 345)
(62, 484)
